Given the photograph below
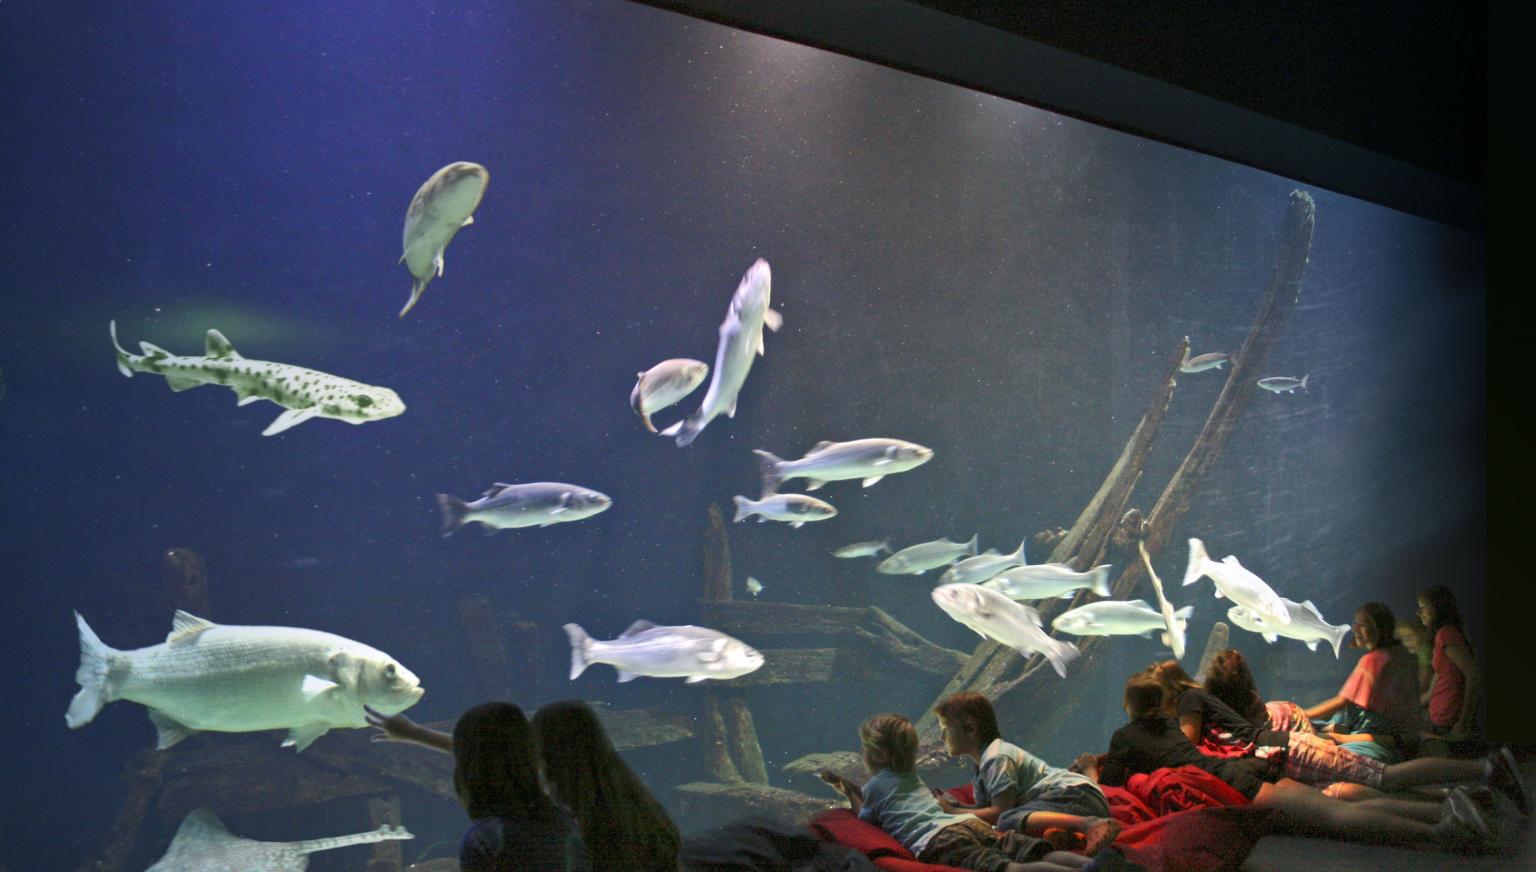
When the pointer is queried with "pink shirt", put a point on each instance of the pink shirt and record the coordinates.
(1445, 702)
(1386, 681)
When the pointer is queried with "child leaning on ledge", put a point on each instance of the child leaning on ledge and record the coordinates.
(896, 800)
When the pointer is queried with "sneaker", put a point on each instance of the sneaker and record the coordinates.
(1504, 776)
(1462, 826)
(1100, 835)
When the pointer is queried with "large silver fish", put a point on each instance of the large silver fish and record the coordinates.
(918, 559)
(305, 393)
(1048, 580)
(863, 549)
(793, 508)
(975, 570)
(1234, 581)
(204, 844)
(867, 459)
(1203, 362)
(1120, 618)
(664, 384)
(1282, 384)
(537, 504)
(1307, 625)
(994, 616)
(741, 340)
(443, 204)
(695, 653)
(230, 679)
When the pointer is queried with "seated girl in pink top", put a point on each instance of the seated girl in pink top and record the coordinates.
(1376, 713)
(1456, 685)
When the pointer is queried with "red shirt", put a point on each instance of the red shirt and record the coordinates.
(1445, 701)
(1386, 681)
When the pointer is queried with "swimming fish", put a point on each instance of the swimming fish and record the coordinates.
(695, 653)
(918, 559)
(1307, 625)
(741, 340)
(1120, 618)
(863, 549)
(664, 384)
(1047, 580)
(1283, 384)
(867, 459)
(1234, 581)
(231, 679)
(443, 204)
(794, 508)
(994, 616)
(204, 844)
(754, 586)
(507, 506)
(1202, 362)
(305, 393)
(982, 567)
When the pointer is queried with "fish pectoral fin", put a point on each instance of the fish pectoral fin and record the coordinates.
(762, 351)
(731, 412)
(1219, 594)
(179, 384)
(468, 220)
(1270, 637)
(797, 524)
(289, 419)
(247, 399)
(884, 461)
(1312, 645)
(304, 735)
(695, 679)
(872, 480)
(813, 484)
(314, 686)
(437, 264)
(169, 730)
(559, 510)
(627, 676)
(772, 320)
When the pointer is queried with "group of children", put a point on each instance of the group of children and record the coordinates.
(1354, 777)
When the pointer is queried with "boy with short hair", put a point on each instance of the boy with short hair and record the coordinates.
(896, 800)
(1015, 790)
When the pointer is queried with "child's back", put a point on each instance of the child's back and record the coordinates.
(902, 805)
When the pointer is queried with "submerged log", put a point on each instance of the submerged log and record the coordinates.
(704, 804)
(1213, 645)
(487, 648)
(869, 627)
(849, 764)
(742, 734)
(386, 855)
(629, 729)
(186, 580)
(1022, 689)
(717, 755)
(143, 776)
(717, 558)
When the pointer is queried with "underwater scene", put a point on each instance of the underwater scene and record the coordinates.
(420, 355)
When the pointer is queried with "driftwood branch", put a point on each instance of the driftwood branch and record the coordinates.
(386, 855)
(873, 628)
(745, 749)
(705, 804)
(717, 755)
(1213, 645)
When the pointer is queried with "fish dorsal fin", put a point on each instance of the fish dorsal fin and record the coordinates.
(1307, 604)
(1231, 560)
(186, 625)
(825, 443)
(219, 348)
(639, 626)
(491, 491)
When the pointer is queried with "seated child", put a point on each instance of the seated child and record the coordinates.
(896, 800)
(1014, 789)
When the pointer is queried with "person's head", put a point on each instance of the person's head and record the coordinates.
(1374, 627)
(1437, 608)
(1229, 680)
(1411, 632)
(889, 742)
(1144, 696)
(494, 769)
(967, 722)
(1174, 680)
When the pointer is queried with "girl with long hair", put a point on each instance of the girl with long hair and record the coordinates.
(1376, 712)
(1456, 683)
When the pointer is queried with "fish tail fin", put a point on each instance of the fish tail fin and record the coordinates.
(743, 508)
(1304, 380)
(1197, 559)
(768, 465)
(646, 420)
(122, 353)
(454, 510)
(1183, 615)
(93, 676)
(1023, 555)
(1099, 580)
(417, 286)
(970, 546)
(1336, 638)
(581, 648)
(1061, 654)
(684, 431)
(885, 548)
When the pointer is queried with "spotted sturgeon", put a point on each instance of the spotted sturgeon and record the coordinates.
(204, 844)
(305, 393)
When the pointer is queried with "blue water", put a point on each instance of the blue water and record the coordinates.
(990, 280)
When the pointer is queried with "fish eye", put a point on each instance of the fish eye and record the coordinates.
(389, 671)
(363, 401)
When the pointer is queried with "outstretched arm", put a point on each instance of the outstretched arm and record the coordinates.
(1327, 708)
(848, 789)
(399, 728)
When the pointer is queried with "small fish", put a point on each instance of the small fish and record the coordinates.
(741, 343)
(1307, 625)
(443, 205)
(1234, 581)
(695, 653)
(1283, 384)
(538, 504)
(918, 559)
(863, 549)
(754, 586)
(230, 679)
(305, 393)
(203, 844)
(982, 567)
(794, 508)
(994, 616)
(866, 459)
(664, 384)
(1120, 618)
(1203, 362)
(1047, 580)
